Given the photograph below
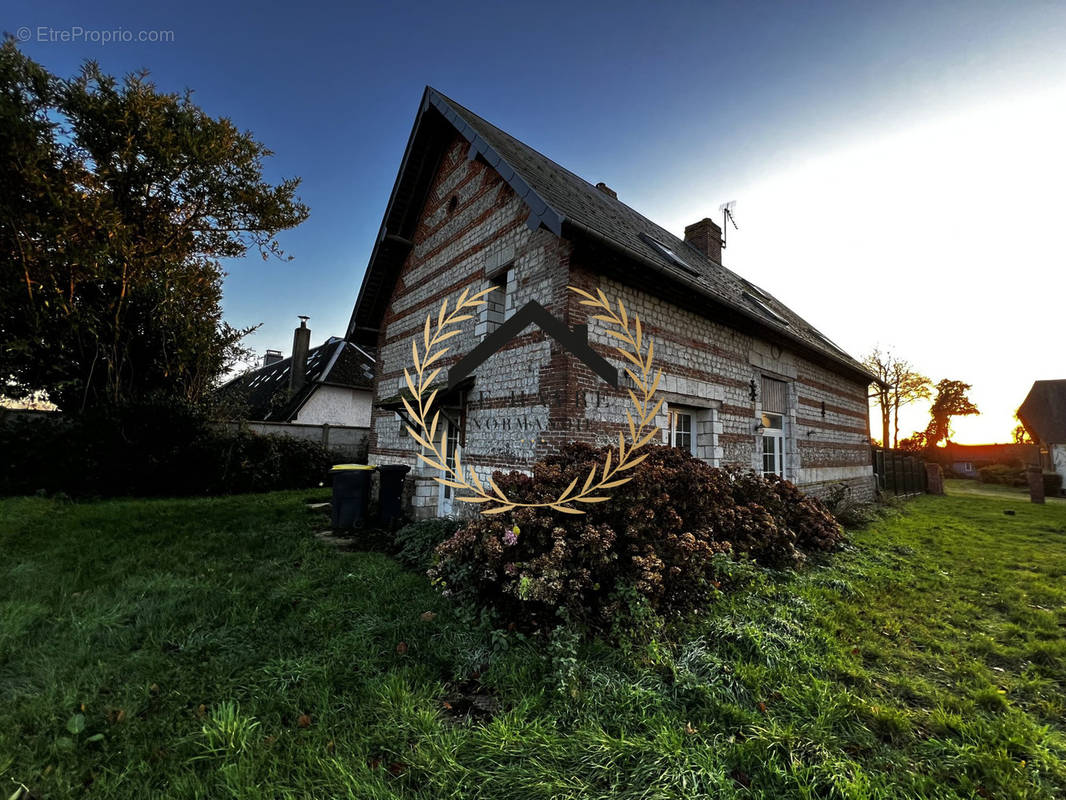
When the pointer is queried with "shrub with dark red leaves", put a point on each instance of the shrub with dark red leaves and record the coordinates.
(663, 534)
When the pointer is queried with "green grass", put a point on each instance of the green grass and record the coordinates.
(213, 648)
(971, 488)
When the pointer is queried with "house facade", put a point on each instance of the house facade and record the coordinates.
(746, 382)
(330, 384)
(1043, 413)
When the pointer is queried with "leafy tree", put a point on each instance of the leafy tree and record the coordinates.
(879, 364)
(899, 385)
(915, 443)
(1021, 435)
(906, 386)
(117, 202)
(951, 401)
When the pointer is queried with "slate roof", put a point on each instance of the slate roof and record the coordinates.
(265, 391)
(1043, 413)
(558, 199)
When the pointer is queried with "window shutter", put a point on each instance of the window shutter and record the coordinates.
(773, 396)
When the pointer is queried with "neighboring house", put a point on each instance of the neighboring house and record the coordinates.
(1044, 416)
(966, 459)
(746, 381)
(331, 384)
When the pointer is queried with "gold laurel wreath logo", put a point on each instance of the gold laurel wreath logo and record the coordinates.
(610, 473)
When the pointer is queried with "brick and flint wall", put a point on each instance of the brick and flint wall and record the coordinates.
(532, 397)
(473, 232)
(708, 371)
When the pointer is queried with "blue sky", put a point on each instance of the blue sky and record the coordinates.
(849, 133)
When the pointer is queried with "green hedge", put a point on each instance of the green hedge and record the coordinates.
(150, 449)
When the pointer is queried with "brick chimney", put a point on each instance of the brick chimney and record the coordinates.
(271, 357)
(706, 237)
(301, 343)
(607, 190)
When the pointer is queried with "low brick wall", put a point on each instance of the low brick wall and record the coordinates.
(351, 442)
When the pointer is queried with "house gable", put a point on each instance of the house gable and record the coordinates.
(559, 201)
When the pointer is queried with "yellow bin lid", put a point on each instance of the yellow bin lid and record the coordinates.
(341, 467)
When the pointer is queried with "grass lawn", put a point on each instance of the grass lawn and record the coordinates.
(213, 648)
(1016, 493)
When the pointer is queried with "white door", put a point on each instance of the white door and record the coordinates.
(446, 496)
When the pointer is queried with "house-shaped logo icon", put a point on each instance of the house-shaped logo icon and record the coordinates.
(574, 341)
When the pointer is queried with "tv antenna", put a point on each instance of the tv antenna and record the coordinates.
(727, 218)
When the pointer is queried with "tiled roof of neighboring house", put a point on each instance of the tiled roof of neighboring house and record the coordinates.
(992, 453)
(558, 198)
(265, 391)
(1044, 411)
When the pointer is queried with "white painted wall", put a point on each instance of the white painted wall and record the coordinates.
(334, 405)
(1058, 460)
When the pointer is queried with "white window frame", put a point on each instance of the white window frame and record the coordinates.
(773, 434)
(446, 494)
(673, 428)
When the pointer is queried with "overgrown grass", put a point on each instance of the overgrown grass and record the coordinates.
(213, 648)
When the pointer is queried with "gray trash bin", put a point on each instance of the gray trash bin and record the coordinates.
(351, 495)
(390, 496)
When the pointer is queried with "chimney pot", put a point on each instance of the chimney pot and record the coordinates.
(301, 344)
(607, 190)
(706, 237)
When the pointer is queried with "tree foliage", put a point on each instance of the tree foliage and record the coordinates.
(951, 401)
(900, 384)
(117, 202)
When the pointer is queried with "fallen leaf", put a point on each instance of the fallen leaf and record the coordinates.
(741, 777)
(690, 729)
(428, 616)
(331, 747)
(201, 710)
(401, 648)
(154, 688)
(397, 768)
(762, 707)
(304, 721)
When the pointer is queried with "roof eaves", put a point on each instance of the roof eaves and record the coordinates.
(540, 211)
(332, 360)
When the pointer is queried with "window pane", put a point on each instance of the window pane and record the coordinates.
(681, 430)
(774, 421)
(771, 455)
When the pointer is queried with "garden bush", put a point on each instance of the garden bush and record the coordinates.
(848, 510)
(416, 543)
(161, 448)
(662, 535)
(1006, 474)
